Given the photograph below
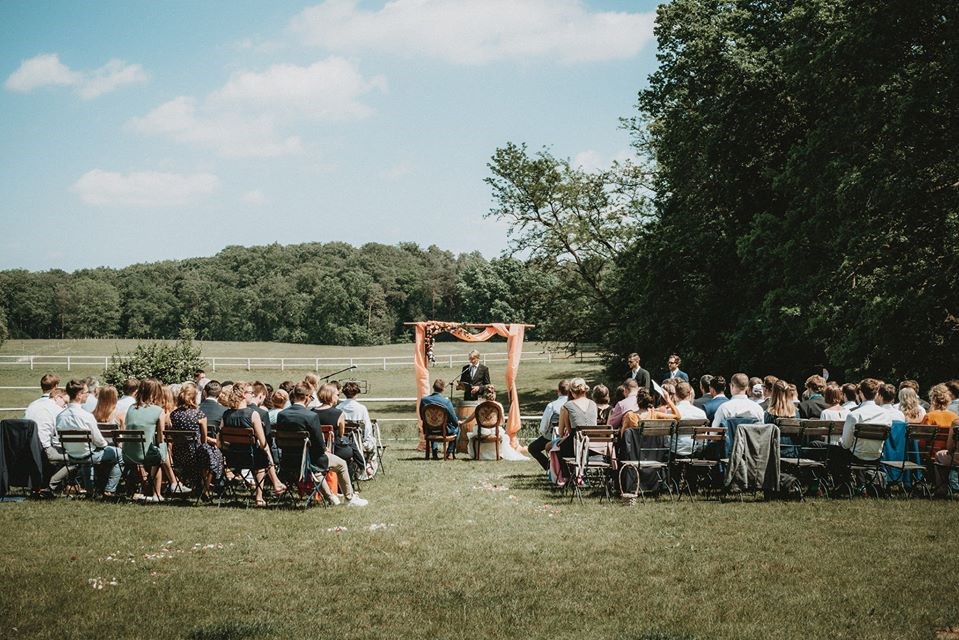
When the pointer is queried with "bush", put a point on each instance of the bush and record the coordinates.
(168, 363)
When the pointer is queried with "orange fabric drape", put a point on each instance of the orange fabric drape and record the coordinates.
(514, 334)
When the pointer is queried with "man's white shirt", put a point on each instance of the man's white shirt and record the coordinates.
(739, 406)
(871, 413)
(44, 412)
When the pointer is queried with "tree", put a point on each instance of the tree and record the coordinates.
(87, 308)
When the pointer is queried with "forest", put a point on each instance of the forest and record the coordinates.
(792, 203)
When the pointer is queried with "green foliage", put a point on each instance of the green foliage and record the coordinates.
(167, 362)
(4, 333)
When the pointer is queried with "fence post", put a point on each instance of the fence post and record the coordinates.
(68, 363)
(351, 362)
(282, 364)
(549, 356)
(31, 363)
(384, 363)
(316, 365)
(213, 364)
(105, 363)
(247, 364)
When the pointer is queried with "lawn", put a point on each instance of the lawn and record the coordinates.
(467, 549)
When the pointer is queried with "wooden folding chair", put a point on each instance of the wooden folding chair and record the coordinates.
(866, 475)
(128, 440)
(294, 469)
(793, 457)
(704, 464)
(183, 439)
(678, 462)
(434, 430)
(79, 447)
(918, 457)
(655, 438)
(596, 462)
(241, 451)
(943, 471)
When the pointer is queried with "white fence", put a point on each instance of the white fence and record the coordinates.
(314, 364)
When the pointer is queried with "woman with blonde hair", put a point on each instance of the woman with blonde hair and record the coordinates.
(909, 405)
(106, 409)
(781, 403)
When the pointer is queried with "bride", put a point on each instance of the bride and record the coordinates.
(488, 417)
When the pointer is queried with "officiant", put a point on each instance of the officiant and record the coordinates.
(474, 378)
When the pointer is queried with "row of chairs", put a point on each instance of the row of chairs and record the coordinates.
(803, 453)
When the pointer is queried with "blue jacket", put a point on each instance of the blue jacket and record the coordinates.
(452, 421)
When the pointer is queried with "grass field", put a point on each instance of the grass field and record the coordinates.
(536, 379)
(479, 550)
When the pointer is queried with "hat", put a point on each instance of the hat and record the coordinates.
(757, 389)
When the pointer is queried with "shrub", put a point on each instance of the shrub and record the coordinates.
(167, 362)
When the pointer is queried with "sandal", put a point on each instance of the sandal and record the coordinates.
(260, 504)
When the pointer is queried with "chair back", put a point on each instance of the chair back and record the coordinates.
(133, 443)
(926, 438)
(77, 443)
(107, 430)
(789, 426)
(877, 434)
(178, 437)
(703, 436)
(656, 428)
(294, 452)
(434, 417)
(597, 440)
(489, 415)
(239, 447)
(329, 435)
(655, 440)
(820, 428)
(354, 426)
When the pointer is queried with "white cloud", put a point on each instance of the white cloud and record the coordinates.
(400, 170)
(477, 31)
(143, 188)
(46, 70)
(109, 77)
(231, 135)
(328, 89)
(245, 116)
(254, 198)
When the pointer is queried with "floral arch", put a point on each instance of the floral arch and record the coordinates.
(426, 331)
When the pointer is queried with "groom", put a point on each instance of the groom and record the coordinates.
(474, 377)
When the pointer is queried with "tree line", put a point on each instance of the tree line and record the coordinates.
(316, 293)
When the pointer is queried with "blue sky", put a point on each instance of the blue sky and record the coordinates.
(135, 131)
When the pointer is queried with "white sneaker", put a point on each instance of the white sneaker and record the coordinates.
(333, 500)
(138, 497)
(357, 501)
(153, 499)
(180, 488)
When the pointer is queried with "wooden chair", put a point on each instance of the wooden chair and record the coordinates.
(294, 469)
(595, 460)
(865, 475)
(703, 465)
(918, 457)
(489, 416)
(943, 471)
(183, 439)
(683, 433)
(79, 448)
(434, 430)
(130, 440)
(655, 440)
(241, 451)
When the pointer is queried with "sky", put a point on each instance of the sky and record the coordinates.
(135, 131)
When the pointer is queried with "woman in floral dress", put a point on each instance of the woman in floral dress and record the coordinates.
(202, 459)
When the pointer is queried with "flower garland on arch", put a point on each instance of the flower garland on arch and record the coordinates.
(434, 328)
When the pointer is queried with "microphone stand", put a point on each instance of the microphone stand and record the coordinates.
(338, 372)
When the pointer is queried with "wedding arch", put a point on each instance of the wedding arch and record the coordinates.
(426, 332)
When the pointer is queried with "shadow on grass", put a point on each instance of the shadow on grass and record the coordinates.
(231, 631)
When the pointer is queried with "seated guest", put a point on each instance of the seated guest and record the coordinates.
(297, 417)
(579, 411)
(241, 414)
(909, 405)
(768, 383)
(947, 460)
(717, 392)
(75, 417)
(44, 411)
(128, 399)
(686, 411)
(329, 414)
(355, 411)
(834, 409)
(601, 398)
(105, 411)
(93, 392)
(939, 414)
(625, 405)
(757, 394)
(547, 423)
(850, 393)
(867, 412)
(506, 451)
(211, 407)
(739, 405)
(780, 404)
(886, 399)
(645, 410)
(912, 384)
(953, 387)
(279, 400)
(813, 405)
(202, 460)
(670, 390)
(704, 395)
(452, 420)
(148, 415)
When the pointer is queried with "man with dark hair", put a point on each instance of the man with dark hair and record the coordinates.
(355, 411)
(704, 395)
(812, 407)
(128, 399)
(886, 398)
(637, 373)
(44, 411)
(550, 419)
(75, 418)
(717, 391)
(297, 417)
(673, 363)
(850, 392)
(211, 407)
(452, 420)
(739, 405)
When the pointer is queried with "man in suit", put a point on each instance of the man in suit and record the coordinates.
(297, 417)
(474, 377)
(212, 409)
(637, 373)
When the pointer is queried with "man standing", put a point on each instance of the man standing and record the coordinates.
(44, 412)
(637, 373)
(75, 418)
(474, 377)
(673, 363)
(550, 419)
(452, 420)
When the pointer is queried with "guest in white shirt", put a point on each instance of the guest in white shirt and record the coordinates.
(549, 420)
(868, 412)
(834, 410)
(850, 391)
(76, 418)
(739, 405)
(886, 398)
(687, 411)
(354, 411)
(44, 411)
(128, 399)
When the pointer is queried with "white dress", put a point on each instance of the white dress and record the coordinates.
(488, 449)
